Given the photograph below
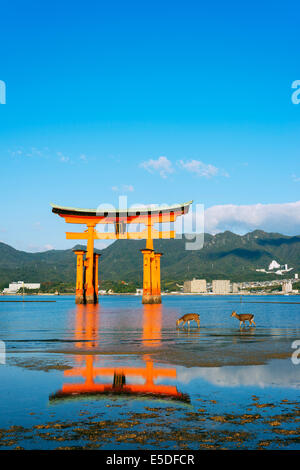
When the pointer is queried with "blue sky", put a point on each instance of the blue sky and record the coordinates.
(162, 101)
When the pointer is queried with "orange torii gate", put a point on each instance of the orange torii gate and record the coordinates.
(87, 260)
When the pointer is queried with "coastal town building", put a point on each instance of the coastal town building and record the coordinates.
(195, 286)
(221, 287)
(235, 288)
(287, 287)
(14, 287)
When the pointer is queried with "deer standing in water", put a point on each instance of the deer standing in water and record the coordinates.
(243, 317)
(187, 318)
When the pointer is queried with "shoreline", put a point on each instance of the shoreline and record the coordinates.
(201, 294)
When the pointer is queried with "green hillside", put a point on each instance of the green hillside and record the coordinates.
(225, 255)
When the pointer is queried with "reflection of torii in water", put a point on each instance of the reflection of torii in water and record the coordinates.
(118, 385)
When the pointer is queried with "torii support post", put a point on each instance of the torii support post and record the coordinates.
(96, 277)
(89, 263)
(147, 285)
(79, 297)
(155, 278)
(151, 269)
(151, 277)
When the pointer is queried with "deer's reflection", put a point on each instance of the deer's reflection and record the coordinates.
(95, 377)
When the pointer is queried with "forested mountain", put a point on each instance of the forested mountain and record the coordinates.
(224, 256)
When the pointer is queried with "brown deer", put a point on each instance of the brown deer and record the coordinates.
(187, 318)
(243, 317)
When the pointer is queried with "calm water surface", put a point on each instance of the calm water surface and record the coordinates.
(67, 363)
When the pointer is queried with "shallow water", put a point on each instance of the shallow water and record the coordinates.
(128, 366)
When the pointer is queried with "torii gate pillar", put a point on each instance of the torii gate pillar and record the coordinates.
(147, 285)
(96, 277)
(89, 263)
(81, 278)
(155, 265)
(151, 277)
(79, 297)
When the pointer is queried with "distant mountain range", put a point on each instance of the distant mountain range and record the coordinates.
(224, 256)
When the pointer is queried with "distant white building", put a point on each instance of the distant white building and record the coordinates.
(283, 269)
(274, 265)
(287, 287)
(14, 287)
(196, 286)
(221, 287)
(276, 268)
(235, 288)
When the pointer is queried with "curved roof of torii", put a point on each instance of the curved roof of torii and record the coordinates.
(133, 213)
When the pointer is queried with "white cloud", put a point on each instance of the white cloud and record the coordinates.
(165, 167)
(162, 165)
(31, 152)
(199, 168)
(46, 153)
(283, 218)
(270, 375)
